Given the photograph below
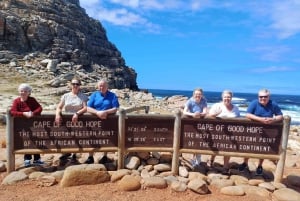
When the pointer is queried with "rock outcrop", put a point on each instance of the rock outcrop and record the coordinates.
(55, 39)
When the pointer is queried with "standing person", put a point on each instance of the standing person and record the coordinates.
(196, 107)
(265, 111)
(224, 109)
(27, 106)
(73, 102)
(102, 103)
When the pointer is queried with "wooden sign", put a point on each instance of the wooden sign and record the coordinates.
(42, 132)
(231, 136)
(144, 131)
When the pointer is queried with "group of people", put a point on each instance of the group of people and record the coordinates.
(262, 109)
(103, 102)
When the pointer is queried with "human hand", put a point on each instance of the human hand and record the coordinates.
(101, 114)
(197, 115)
(28, 114)
(267, 120)
(58, 120)
(75, 118)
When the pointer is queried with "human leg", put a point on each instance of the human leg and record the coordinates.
(90, 158)
(259, 169)
(27, 160)
(226, 162)
(37, 159)
(244, 165)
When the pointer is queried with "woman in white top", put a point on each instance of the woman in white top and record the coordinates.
(73, 102)
(224, 109)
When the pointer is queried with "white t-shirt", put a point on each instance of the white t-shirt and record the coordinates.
(73, 102)
(220, 107)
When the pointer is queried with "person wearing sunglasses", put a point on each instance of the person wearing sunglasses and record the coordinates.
(224, 109)
(102, 103)
(265, 111)
(73, 102)
(27, 106)
(196, 107)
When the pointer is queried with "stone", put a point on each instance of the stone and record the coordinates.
(154, 182)
(46, 181)
(293, 180)
(233, 190)
(119, 174)
(220, 183)
(286, 194)
(75, 177)
(178, 186)
(198, 186)
(183, 172)
(132, 162)
(162, 167)
(254, 190)
(14, 177)
(129, 183)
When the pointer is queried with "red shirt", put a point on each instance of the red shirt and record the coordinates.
(31, 104)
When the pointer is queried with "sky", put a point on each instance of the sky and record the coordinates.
(238, 45)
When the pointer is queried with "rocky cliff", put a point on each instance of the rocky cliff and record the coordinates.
(56, 39)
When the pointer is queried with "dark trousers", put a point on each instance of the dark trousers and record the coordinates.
(29, 157)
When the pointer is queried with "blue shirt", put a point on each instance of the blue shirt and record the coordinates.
(100, 102)
(269, 110)
(193, 106)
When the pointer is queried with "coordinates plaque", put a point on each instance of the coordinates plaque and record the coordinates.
(149, 132)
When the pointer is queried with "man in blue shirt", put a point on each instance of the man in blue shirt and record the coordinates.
(102, 103)
(265, 111)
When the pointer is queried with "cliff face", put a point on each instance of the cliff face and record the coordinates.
(65, 38)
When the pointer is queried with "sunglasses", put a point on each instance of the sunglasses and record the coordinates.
(75, 84)
(263, 96)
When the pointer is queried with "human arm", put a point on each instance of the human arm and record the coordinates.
(28, 108)
(35, 107)
(58, 112)
(79, 112)
(14, 111)
(215, 110)
(102, 114)
(187, 112)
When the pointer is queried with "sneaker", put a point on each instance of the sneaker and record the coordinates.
(89, 160)
(243, 167)
(27, 163)
(64, 156)
(225, 171)
(194, 163)
(259, 170)
(38, 162)
(103, 160)
(74, 159)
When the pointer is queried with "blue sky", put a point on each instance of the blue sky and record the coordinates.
(213, 44)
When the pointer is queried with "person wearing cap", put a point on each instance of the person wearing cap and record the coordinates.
(73, 102)
(28, 107)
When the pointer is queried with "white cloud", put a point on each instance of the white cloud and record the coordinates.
(286, 18)
(120, 17)
(277, 18)
(272, 69)
(271, 53)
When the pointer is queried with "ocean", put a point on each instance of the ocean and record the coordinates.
(289, 104)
